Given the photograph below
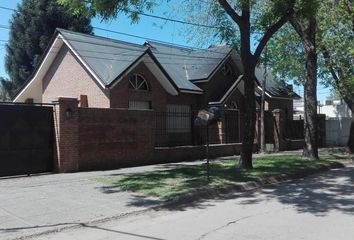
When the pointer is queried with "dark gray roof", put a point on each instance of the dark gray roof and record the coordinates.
(106, 57)
(187, 65)
(109, 58)
(274, 87)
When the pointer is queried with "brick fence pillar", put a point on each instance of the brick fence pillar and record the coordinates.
(67, 134)
(279, 130)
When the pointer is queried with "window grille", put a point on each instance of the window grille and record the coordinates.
(178, 118)
(139, 105)
(138, 82)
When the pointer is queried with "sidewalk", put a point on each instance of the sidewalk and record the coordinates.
(38, 204)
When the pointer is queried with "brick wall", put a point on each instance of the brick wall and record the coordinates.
(68, 78)
(95, 139)
(112, 138)
(66, 135)
(121, 94)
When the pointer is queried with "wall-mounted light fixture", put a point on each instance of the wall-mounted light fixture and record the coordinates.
(69, 113)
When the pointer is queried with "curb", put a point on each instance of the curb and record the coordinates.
(247, 186)
(201, 195)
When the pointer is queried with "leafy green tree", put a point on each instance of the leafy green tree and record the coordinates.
(3, 94)
(31, 29)
(305, 24)
(336, 30)
(334, 36)
(239, 13)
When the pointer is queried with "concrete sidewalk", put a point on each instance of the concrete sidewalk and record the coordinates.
(36, 204)
(317, 208)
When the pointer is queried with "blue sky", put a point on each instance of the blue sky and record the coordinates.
(147, 28)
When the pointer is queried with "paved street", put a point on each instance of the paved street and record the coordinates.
(316, 208)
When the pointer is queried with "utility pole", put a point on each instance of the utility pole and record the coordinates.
(263, 144)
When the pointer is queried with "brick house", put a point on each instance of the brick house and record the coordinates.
(123, 104)
(105, 73)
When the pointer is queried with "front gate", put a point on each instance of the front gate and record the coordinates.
(26, 139)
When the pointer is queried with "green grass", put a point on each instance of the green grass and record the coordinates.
(168, 184)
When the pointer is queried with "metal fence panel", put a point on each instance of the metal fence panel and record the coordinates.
(26, 139)
(177, 128)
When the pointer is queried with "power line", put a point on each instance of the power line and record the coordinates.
(143, 49)
(10, 9)
(174, 20)
(148, 15)
(132, 35)
(167, 43)
(140, 37)
(165, 55)
(124, 60)
(4, 26)
(169, 54)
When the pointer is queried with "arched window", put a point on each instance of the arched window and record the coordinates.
(226, 70)
(138, 82)
(233, 105)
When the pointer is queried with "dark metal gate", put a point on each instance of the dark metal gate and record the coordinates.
(26, 139)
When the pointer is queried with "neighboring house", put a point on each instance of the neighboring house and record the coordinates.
(331, 108)
(338, 119)
(106, 73)
(334, 109)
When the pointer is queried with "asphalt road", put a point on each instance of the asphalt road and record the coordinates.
(320, 207)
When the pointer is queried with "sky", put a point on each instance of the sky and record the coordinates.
(149, 28)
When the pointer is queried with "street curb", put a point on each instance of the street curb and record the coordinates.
(247, 186)
(198, 195)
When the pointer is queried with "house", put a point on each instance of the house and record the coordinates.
(106, 73)
(114, 80)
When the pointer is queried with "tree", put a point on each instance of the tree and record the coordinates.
(334, 36)
(3, 95)
(239, 13)
(336, 29)
(305, 24)
(31, 29)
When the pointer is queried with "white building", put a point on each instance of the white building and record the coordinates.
(332, 109)
(338, 119)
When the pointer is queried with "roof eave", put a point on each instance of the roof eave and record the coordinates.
(35, 72)
(206, 79)
(31, 77)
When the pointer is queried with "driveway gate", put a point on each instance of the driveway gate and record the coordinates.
(26, 139)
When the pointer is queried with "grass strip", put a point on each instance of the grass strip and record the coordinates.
(168, 184)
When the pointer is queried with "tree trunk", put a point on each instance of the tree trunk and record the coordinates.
(250, 119)
(306, 28)
(249, 84)
(349, 100)
(310, 109)
(351, 132)
(249, 61)
(351, 136)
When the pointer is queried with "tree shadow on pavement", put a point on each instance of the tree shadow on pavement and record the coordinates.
(318, 195)
(333, 190)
